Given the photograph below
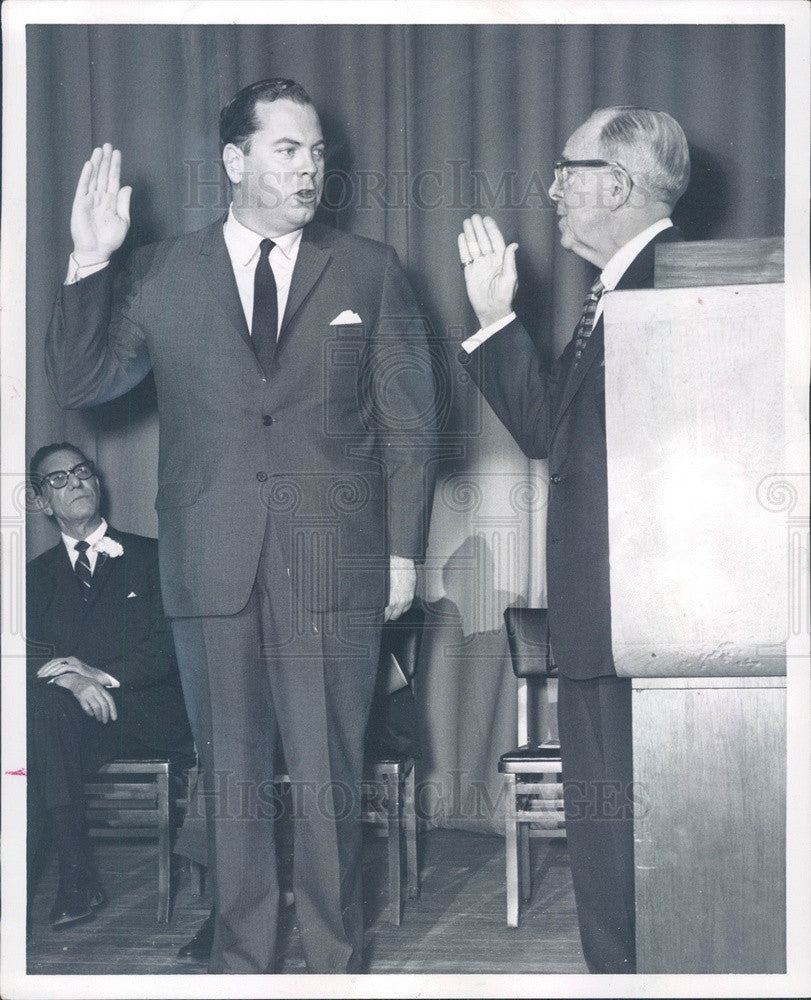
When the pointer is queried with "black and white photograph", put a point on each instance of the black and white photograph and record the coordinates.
(405, 499)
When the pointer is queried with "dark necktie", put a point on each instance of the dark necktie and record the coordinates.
(586, 324)
(82, 569)
(265, 309)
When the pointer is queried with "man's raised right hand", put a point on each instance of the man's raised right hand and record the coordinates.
(101, 208)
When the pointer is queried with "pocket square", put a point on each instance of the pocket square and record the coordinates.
(345, 318)
(131, 594)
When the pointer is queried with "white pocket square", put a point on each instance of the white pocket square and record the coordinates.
(346, 317)
(131, 594)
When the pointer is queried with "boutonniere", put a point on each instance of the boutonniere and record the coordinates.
(107, 546)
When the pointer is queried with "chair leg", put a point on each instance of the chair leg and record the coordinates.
(164, 845)
(525, 876)
(511, 850)
(410, 821)
(393, 811)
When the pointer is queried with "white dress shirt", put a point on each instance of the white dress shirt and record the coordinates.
(610, 277)
(70, 544)
(92, 556)
(243, 249)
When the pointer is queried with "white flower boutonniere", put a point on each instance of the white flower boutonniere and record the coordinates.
(108, 547)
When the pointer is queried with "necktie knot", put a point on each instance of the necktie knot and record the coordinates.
(266, 246)
(82, 546)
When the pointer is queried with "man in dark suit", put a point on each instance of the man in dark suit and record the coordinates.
(103, 679)
(296, 411)
(618, 179)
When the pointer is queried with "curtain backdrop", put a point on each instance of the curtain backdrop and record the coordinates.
(425, 124)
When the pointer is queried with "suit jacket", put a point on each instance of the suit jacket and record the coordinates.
(558, 415)
(121, 628)
(334, 441)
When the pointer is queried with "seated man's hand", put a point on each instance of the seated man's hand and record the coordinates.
(95, 699)
(73, 665)
(402, 586)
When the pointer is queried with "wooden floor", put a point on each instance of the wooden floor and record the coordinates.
(457, 926)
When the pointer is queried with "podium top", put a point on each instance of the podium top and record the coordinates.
(719, 262)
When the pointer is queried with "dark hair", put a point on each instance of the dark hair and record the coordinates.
(238, 118)
(44, 452)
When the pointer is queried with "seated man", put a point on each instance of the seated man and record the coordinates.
(102, 676)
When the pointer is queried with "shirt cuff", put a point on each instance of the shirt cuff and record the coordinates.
(82, 265)
(485, 333)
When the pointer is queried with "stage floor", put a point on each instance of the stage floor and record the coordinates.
(458, 925)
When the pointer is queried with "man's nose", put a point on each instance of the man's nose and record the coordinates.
(308, 164)
(554, 190)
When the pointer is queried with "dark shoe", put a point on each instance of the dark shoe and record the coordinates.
(72, 903)
(199, 948)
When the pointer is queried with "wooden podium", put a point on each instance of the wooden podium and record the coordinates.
(695, 384)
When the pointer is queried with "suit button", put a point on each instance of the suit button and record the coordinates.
(555, 478)
(262, 477)
(267, 420)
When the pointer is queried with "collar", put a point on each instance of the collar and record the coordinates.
(97, 535)
(619, 263)
(243, 243)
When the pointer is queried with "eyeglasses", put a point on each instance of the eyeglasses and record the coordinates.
(562, 166)
(59, 479)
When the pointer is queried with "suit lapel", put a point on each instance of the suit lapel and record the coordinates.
(218, 275)
(101, 575)
(313, 257)
(574, 379)
(65, 607)
(638, 274)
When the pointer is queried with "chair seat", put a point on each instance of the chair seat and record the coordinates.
(529, 758)
(389, 760)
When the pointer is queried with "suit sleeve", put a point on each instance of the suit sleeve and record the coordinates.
(399, 391)
(521, 391)
(147, 656)
(38, 649)
(95, 348)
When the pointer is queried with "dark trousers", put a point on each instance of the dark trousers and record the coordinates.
(65, 748)
(272, 670)
(594, 722)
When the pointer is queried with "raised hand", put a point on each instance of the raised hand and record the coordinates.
(101, 207)
(490, 275)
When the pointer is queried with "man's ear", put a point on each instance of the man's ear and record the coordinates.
(620, 187)
(40, 502)
(233, 159)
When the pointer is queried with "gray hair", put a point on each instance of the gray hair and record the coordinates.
(651, 146)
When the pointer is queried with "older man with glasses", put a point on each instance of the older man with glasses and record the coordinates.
(102, 675)
(615, 185)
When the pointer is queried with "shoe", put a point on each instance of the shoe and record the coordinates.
(72, 902)
(199, 948)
